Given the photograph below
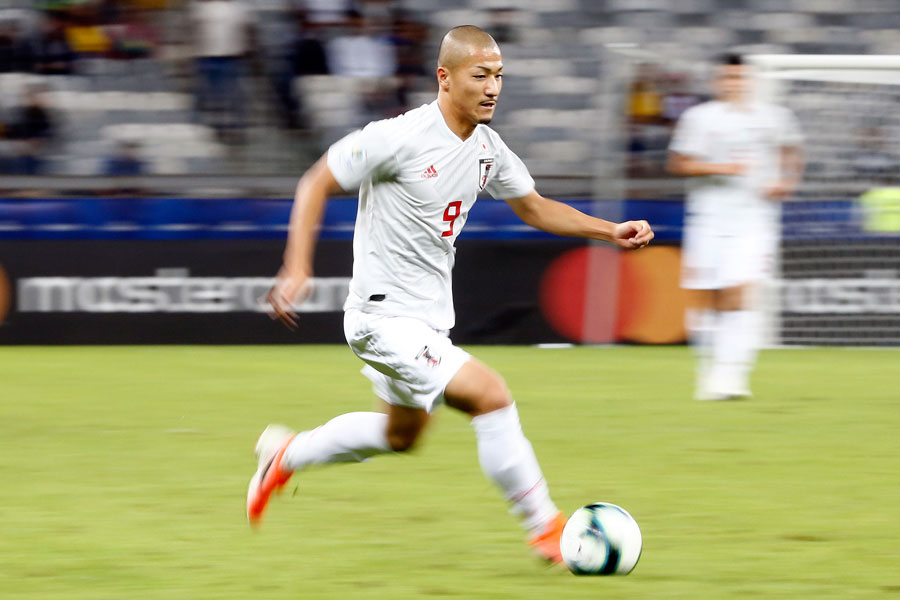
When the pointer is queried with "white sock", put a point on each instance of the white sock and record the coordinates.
(702, 324)
(735, 348)
(747, 326)
(352, 437)
(508, 459)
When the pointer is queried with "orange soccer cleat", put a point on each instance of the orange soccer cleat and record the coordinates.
(545, 543)
(269, 476)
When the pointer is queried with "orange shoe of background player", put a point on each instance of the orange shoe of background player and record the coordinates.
(546, 543)
(270, 476)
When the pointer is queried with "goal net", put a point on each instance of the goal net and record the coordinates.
(838, 277)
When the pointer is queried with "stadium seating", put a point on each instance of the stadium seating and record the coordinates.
(567, 66)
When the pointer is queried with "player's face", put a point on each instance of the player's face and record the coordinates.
(475, 86)
(733, 82)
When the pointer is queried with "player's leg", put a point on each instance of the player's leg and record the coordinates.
(408, 364)
(505, 454)
(355, 437)
(700, 277)
(701, 320)
(736, 342)
(351, 437)
(412, 366)
(747, 261)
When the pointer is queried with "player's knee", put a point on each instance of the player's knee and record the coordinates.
(477, 390)
(401, 441)
(404, 427)
(494, 396)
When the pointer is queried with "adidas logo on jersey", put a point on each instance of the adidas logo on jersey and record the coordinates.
(430, 172)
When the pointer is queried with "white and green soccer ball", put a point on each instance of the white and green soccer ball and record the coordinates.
(601, 539)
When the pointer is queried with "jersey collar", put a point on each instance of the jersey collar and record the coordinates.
(445, 129)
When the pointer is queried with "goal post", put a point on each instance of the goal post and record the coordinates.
(837, 277)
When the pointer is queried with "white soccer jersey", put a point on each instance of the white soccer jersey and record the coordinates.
(719, 132)
(417, 181)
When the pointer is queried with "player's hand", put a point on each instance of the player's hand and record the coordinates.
(632, 234)
(289, 288)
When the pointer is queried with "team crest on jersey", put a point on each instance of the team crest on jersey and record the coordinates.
(484, 171)
(430, 359)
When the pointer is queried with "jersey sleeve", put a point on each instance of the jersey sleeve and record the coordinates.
(688, 137)
(512, 179)
(357, 155)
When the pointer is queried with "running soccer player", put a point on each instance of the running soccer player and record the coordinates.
(742, 158)
(418, 175)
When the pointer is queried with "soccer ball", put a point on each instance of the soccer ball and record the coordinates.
(601, 539)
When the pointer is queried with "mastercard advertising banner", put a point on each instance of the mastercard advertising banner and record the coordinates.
(101, 271)
(506, 292)
(600, 295)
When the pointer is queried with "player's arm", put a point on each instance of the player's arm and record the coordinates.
(310, 197)
(792, 163)
(685, 165)
(561, 219)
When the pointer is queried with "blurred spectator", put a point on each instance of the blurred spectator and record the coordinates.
(32, 130)
(638, 162)
(656, 100)
(644, 100)
(678, 98)
(502, 23)
(224, 38)
(409, 37)
(14, 52)
(132, 35)
(305, 56)
(125, 160)
(51, 52)
(110, 11)
(85, 33)
(362, 50)
(645, 118)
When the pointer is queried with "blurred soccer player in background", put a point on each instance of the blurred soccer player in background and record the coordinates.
(742, 158)
(418, 175)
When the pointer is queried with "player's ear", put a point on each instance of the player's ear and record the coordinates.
(443, 76)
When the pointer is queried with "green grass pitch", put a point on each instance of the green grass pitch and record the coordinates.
(124, 473)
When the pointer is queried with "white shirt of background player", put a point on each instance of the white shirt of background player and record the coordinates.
(726, 133)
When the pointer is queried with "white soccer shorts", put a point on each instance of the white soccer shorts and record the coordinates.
(716, 261)
(408, 362)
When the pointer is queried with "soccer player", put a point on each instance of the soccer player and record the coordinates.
(418, 175)
(742, 158)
